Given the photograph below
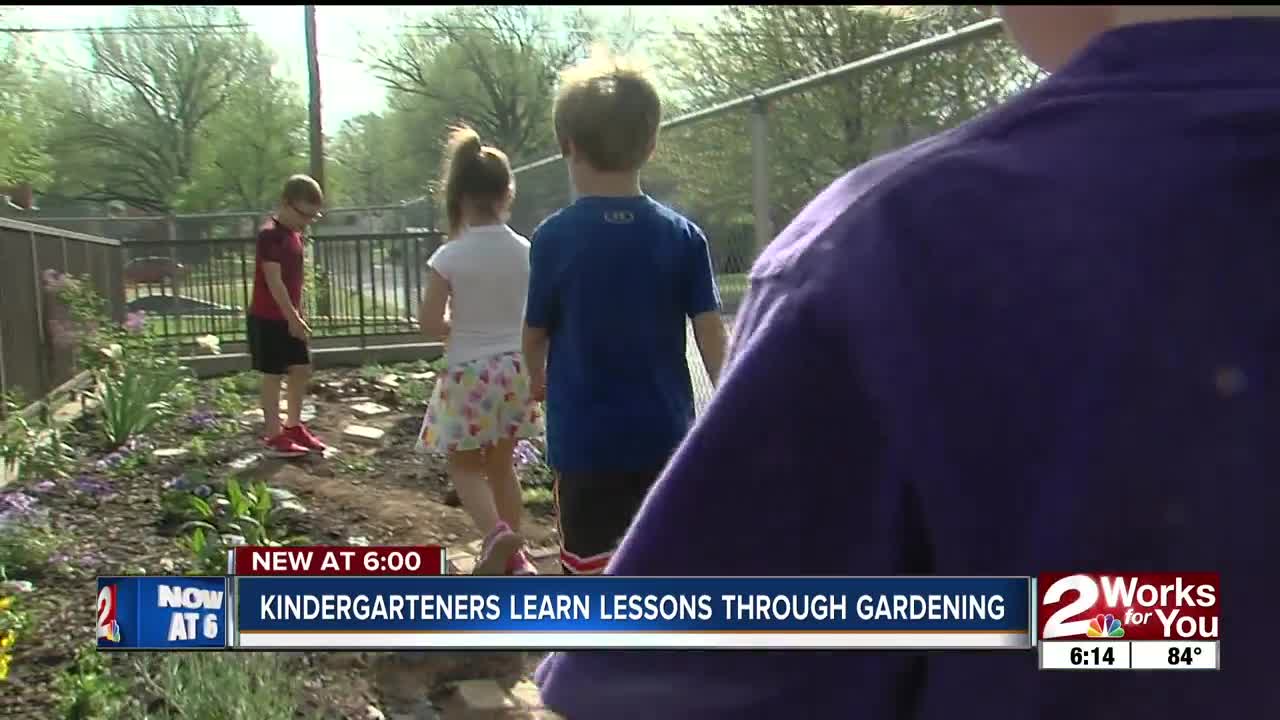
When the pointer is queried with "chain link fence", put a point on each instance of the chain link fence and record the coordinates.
(743, 168)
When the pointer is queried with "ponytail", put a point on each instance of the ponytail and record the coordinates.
(472, 173)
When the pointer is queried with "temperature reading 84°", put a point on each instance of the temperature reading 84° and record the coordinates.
(1183, 656)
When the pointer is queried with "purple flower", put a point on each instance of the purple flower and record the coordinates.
(17, 502)
(203, 491)
(526, 453)
(135, 322)
(110, 462)
(202, 420)
(54, 280)
(16, 507)
(92, 486)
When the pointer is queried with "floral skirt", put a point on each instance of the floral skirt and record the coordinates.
(478, 403)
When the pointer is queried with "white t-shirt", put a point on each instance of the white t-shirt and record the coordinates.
(488, 270)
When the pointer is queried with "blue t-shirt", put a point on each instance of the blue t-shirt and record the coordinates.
(613, 280)
(1047, 341)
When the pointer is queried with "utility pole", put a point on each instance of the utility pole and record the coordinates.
(316, 130)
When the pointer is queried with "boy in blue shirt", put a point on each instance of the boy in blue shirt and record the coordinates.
(1044, 341)
(613, 278)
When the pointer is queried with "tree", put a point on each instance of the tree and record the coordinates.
(143, 122)
(23, 120)
(364, 157)
(492, 66)
(819, 134)
(255, 141)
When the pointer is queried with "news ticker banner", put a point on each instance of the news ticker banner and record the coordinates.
(365, 600)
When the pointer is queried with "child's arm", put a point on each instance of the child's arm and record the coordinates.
(431, 319)
(539, 314)
(703, 306)
(708, 332)
(534, 345)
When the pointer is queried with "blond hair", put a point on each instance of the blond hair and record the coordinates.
(609, 111)
(473, 173)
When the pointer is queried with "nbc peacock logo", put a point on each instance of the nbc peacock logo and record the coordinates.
(1105, 626)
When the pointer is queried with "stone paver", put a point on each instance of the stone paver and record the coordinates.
(169, 453)
(256, 415)
(364, 434)
(463, 563)
(369, 409)
(483, 695)
(526, 693)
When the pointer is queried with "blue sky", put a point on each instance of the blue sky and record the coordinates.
(348, 89)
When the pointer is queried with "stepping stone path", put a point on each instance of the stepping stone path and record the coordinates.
(169, 453)
(256, 415)
(245, 462)
(364, 434)
(369, 409)
(477, 699)
(389, 381)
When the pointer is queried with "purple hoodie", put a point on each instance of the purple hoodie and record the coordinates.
(1044, 341)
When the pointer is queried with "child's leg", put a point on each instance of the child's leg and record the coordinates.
(500, 470)
(466, 469)
(270, 399)
(299, 381)
(594, 511)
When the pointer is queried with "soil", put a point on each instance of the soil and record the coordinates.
(113, 523)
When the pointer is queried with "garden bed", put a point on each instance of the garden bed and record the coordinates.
(89, 508)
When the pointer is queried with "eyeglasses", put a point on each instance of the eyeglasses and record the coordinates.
(308, 215)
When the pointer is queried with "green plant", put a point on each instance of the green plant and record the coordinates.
(12, 623)
(199, 450)
(208, 557)
(133, 401)
(36, 447)
(353, 464)
(414, 392)
(239, 686)
(236, 516)
(27, 548)
(87, 690)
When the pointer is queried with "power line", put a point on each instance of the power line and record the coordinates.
(129, 29)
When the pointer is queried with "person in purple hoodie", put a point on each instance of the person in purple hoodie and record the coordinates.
(1047, 340)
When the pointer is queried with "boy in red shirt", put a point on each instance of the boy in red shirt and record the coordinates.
(277, 333)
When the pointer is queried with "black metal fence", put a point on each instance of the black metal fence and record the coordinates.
(356, 285)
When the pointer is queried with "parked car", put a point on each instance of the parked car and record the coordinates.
(152, 271)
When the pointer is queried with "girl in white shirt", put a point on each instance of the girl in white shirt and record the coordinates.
(481, 406)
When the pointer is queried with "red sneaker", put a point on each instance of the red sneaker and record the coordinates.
(303, 436)
(284, 446)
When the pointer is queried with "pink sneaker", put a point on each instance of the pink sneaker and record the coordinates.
(498, 551)
(521, 564)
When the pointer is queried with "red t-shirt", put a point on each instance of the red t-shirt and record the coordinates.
(278, 244)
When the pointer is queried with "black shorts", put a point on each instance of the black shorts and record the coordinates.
(594, 511)
(272, 349)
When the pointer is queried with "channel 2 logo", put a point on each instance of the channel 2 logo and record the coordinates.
(108, 627)
(1139, 606)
